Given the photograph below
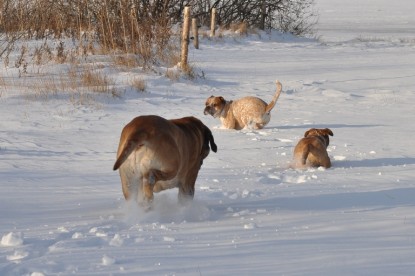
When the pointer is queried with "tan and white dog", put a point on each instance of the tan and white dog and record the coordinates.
(155, 154)
(248, 112)
(311, 151)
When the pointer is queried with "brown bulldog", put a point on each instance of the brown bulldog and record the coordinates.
(248, 112)
(155, 154)
(311, 151)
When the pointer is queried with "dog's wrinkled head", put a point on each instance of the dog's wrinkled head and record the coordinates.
(320, 132)
(214, 106)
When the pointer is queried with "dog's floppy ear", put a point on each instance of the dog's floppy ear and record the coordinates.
(308, 131)
(222, 99)
(328, 131)
(209, 98)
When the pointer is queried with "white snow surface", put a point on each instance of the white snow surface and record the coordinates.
(62, 209)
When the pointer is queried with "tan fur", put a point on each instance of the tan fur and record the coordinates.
(155, 154)
(311, 151)
(248, 112)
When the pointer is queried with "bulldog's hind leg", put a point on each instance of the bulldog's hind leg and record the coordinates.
(325, 162)
(320, 158)
(186, 194)
(130, 182)
(187, 187)
(148, 183)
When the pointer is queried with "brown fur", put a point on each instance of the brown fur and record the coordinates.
(311, 151)
(248, 112)
(155, 154)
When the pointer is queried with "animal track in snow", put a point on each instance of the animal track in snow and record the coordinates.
(339, 157)
(12, 239)
(17, 256)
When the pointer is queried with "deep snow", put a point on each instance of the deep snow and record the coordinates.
(62, 210)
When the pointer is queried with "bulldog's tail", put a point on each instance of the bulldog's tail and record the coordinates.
(133, 142)
(271, 105)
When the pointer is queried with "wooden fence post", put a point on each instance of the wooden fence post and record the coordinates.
(185, 37)
(213, 22)
(195, 33)
(263, 15)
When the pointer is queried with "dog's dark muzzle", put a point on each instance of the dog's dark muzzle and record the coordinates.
(208, 110)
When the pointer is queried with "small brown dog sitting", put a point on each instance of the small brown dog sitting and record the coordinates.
(311, 151)
(248, 112)
(155, 154)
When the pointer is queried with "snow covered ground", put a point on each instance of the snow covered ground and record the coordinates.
(63, 213)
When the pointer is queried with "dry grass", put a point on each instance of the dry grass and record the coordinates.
(126, 61)
(171, 54)
(138, 84)
(2, 81)
(133, 28)
(128, 36)
(239, 28)
(47, 87)
(42, 54)
(189, 71)
(173, 74)
(2, 85)
(97, 81)
(81, 85)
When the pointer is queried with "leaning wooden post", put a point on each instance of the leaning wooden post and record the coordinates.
(213, 22)
(195, 33)
(185, 37)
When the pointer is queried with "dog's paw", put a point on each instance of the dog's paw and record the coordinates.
(146, 205)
